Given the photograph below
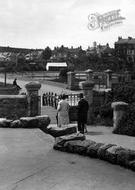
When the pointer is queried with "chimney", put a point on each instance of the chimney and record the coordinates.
(129, 38)
(119, 38)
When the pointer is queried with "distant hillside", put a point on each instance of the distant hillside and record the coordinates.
(16, 50)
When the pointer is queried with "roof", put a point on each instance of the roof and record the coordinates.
(56, 64)
(126, 41)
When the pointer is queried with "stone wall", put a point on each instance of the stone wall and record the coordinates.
(11, 90)
(13, 106)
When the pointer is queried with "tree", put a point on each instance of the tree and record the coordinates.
(47, 53)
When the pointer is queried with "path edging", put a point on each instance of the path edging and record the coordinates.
(109, 152)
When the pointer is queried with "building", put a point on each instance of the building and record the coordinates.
(55, 66)
(125, 49)
(100, 50)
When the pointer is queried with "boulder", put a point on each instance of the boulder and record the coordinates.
(93, 149)
(81, 147)
(124, 156)
(111, 154)
(131, 165)
(35, 122)
(57, 132)
(72, 137)
(58, 146)
(102, 151)
(69, 145)
(5, 123)
(29, 122)
(16, 124)
(60, 141)
(43, 121)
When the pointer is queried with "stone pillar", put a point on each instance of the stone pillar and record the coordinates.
(119, 109)
(33, 98)
(127, 76)
(71, 80)
(87, 87)
(89, 74)
(108, 78)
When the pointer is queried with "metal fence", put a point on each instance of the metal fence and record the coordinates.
(52, 99)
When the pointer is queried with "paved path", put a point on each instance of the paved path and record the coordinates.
(47, 86)
(28, 162)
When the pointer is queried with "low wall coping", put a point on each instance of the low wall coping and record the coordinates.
(119, 105)
(33, 85)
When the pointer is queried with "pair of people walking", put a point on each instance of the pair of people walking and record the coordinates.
(63, 113)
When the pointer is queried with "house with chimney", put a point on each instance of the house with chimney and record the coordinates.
(125, 49)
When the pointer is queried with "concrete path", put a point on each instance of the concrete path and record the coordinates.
(105, 135)
(47, 86)
(28, 162)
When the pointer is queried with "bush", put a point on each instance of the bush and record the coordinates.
(124, 93)
(106, 111)
(126, 125)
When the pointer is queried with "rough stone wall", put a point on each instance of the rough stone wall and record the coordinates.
(13, 106)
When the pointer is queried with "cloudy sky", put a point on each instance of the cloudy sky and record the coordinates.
(41, 23)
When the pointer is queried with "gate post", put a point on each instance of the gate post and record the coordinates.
(71, 80)
(119, 109)
(108, 78)
(33, 98)
(89, 74)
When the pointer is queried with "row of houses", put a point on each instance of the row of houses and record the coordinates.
(124, 49)
(12, 54)
(58, 53)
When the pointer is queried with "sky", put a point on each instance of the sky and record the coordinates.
(42, 23)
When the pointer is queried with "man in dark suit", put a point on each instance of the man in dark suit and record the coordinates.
(83, 107)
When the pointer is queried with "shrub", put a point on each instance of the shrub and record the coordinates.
(124, 93)
(106, 111)
(126, 125)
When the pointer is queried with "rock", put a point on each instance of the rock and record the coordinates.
(29, 122)
(124, 156)
(131, 165)
(111, 154)
(57, 132)
(69, 145)
(93, 149)
(5, 123)
(60, 141)
(81, 147)
(43, 121)
(16, 124)
(60, 147)
(102, 151)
